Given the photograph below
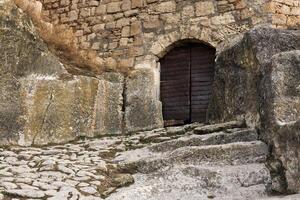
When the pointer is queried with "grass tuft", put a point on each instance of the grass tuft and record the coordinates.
(62, 41)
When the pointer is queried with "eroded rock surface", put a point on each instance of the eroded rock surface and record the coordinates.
(241, 69)
(258, 77)
(283, 127)
(22, 53)
(40, 102)
(142, 112)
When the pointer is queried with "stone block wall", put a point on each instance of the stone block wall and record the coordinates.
(285, 13)
(131, 32)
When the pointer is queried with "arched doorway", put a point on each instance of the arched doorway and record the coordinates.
(187, 73)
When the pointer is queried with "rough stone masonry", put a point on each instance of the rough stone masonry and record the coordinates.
(131, 32)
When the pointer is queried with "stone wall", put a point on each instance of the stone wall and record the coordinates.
(285, 13)
(130, 32)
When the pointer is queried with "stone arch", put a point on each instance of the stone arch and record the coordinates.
(164, 43)
(182, 42)
(156, 46)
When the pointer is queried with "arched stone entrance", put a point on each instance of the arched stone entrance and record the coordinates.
(187, 73)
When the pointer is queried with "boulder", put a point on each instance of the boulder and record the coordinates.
(143, 110)
(283, 110)
(240, 69)
(258, 78)
(108, 112)
(22, 53)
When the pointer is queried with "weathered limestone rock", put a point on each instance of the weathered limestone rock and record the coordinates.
(108, 112)
(285, 84)
(58, 110)
(284, 114)
(29, 193)
(143, 109)
(221, 165)
(204, 8)
(258, 77)
(240, 69)
(217, 127)
(22, 53)
(40, 102)
(165, 7)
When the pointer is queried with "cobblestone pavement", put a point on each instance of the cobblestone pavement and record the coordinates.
(80, 170)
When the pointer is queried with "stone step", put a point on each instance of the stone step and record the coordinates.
(243, 135)
(200, 182)
(283, 197)
(239, 153)
(218, 127)
(234, 135)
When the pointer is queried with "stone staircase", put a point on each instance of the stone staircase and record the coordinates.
(191, 162)
(224, 161)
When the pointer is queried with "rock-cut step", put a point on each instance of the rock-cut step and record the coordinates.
(226, 154)
(217, 138)
(239, 153)
(191, 182)
(201, 130)
(222, 137)
(211, 163)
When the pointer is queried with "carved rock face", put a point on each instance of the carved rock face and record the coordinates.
(285, 85)
(22, 54)
(258, 77)
(40, 102)
(142, 110)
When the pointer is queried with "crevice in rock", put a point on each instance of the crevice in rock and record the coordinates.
(124, 99)
(44, 116)
(277, 171)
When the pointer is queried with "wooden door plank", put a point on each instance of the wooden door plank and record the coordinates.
(202, 74)
(175, 85)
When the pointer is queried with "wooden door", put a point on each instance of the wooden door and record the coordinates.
(175, 86)
(186, 83)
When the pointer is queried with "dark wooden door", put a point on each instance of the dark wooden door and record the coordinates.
(175, 85)
(186, 82)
